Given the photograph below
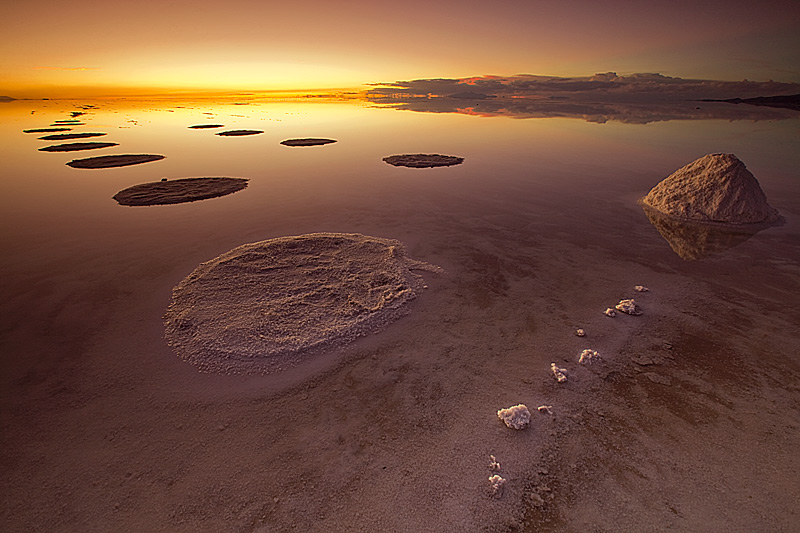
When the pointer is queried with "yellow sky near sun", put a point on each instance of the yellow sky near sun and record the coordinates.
(89, 47)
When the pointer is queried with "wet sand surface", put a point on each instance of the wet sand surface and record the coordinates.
(689, 422)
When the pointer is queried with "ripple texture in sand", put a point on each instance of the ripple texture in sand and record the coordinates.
(262, 307)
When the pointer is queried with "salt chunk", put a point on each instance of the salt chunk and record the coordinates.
(629, 307)
(496, 485)
(580, 333)
(640, 288)
(588, 356)
(545, 409)
(494, 466)
(559, 373)
(515, 417)
(610, 312)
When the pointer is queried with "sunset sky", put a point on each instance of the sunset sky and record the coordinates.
(58, 48)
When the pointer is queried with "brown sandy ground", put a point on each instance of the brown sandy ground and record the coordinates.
(179, 191)
(690, 423)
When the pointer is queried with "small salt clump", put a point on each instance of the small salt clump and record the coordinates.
(515, 417)
(629, 307)
(588, 356)
(610, 312)
(494, 466)
(580, 333)
(496, 485)
(640, 288)
(559, 373)
(545, 409)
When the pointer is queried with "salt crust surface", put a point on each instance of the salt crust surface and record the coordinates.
(423, 160)
(262, 307)
(179, 191)
(713, 188)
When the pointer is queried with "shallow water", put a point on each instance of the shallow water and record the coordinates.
(527, 230)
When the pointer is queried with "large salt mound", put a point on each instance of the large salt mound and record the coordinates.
(714, 188)
(262, 307)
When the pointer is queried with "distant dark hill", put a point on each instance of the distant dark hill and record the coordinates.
(791, 101)
(6, 99)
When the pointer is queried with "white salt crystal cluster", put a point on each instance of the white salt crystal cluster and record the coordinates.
(610, 312)
(580, 333)
(559, 373)
(496, 485)
(588, 356)
(515, 417)
(494, 465)
(629, 307)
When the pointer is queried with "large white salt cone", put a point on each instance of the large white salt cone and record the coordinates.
(715, 188)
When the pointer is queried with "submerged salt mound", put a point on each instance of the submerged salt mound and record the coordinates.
(714, 188)
(262, 307)
(110, 161)
(179, 191)
(423, 160)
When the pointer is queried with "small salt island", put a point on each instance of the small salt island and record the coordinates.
(110, 161)
(179, 191)
(423, 160)
(307, 142)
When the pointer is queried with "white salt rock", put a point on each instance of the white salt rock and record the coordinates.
(559, 373)
(580, 333)
(496, 485)
(629, 307)
(610, 312)
(494, 465)
(515, 417)
(545, 409)
(640, 288)
(713, 188)
(588, 356)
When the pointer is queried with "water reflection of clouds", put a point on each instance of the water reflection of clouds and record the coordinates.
(635, 99)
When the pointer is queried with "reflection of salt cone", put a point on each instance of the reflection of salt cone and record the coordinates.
(694, 241)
